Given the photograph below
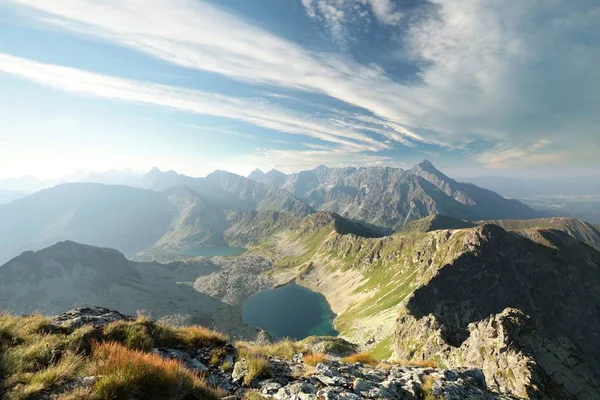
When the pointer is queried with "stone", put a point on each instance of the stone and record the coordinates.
(360, 385)
(269, 387)
(96, 316)
(240, 370)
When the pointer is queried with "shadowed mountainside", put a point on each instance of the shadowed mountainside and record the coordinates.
(70, 274)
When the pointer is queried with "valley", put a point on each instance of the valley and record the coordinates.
(407, 283)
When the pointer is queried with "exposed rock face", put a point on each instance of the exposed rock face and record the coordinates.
(96, 316)
(237, 279)
(546, 345)
(389, 196)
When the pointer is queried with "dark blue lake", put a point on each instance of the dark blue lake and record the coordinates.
(290, 311)
(212, 251)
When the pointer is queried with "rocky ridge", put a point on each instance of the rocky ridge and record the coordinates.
(457, 291)
(389, 197)
(285, 379)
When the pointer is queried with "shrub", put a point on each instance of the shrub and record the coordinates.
(127, 373)
(363, 358)
(314, 359)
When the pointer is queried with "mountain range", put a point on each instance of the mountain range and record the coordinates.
(389, 197)
(465, 295)
(165, 212)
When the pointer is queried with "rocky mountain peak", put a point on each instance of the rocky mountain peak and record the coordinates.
(257, 175)
(427, 167)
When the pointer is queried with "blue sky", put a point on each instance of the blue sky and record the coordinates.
(480, 87)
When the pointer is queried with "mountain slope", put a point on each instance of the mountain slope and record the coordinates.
(70, 274)
(230, 191)
(434, 222)
(478, 297)
(580, 230)
(120, 217)
(389, 197)
(258, 195)
(483, 201)
(6, 196)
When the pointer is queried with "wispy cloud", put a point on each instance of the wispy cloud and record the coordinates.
(490, 71)
(254, 111)
(227, 45)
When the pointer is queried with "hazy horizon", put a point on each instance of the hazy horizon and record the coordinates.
(297, 83)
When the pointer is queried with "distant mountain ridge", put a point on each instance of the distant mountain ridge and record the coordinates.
(389, 196)
(69, 274)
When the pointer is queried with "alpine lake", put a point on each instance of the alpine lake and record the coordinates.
(290, 311)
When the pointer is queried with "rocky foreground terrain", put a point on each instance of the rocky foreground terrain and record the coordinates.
(75, 361)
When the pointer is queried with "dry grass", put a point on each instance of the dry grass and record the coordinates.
(26, 385)
(416, 363)
(314, 359)
(216, 355)
(258, 366)
(285, 349)
(37, 358)
(427, 388)
(82, 393)
(143, 335)
(199, 336)
(363, 358)
(253, 395)
(132, 374)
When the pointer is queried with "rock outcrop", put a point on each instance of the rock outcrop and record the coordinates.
(522, 311)
(285, 379)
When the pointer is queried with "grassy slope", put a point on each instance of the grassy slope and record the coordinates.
(390, 268)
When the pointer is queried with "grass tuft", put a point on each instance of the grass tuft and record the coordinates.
(417, 363)
(257, 366)
(363, 358)
(127, 373)
(314, 359)
(285, 349)
(427, 388)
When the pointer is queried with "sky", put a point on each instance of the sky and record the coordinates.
(479, 87)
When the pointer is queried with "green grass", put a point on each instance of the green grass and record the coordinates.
(285, 349)
(35, 359)
(383, 350)
(312, 242)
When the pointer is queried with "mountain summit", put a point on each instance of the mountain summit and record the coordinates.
(390, 197)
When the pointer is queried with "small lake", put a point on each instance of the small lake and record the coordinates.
(290, 311)
(212, 251)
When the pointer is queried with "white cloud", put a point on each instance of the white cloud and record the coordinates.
(253, 111)
(385, 11)
(492, 71)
